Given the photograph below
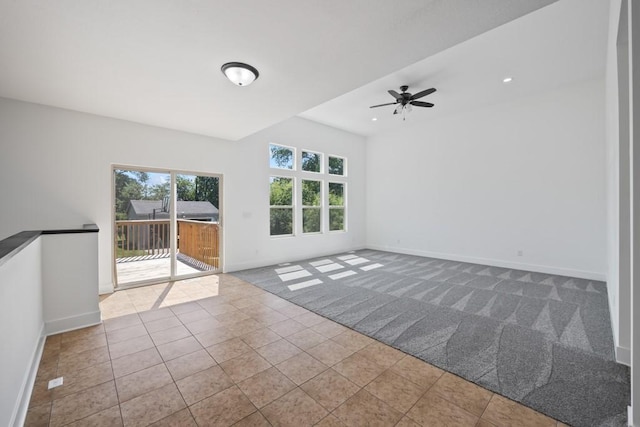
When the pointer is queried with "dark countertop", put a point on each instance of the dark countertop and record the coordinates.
(14, 244)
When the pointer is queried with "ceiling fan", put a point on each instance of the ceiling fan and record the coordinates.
(404, 101)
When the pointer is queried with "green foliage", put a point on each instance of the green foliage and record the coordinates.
(310, 161)
(281, 157)
(281, 221)
(336, 219)
(185, 188)
(311, 220)
(336, 165)
(159, 191)
(207, 188)
(336, 194)
(310, 193)
(281, 191)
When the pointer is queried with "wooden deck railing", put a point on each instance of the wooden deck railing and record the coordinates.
(197, 240)
(200, 241)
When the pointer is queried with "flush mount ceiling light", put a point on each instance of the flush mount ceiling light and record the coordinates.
(239, 73)
(507, 80)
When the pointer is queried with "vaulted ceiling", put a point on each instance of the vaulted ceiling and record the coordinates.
(158, 62)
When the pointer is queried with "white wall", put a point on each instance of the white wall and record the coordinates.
(480, 186)
(21, 331)
(55, 168)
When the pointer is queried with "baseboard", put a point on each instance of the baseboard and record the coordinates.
(71, 323)
(22, 404)
(589, 275)
(623, 355)
(230, 268)
(630, 416)
(106, 288)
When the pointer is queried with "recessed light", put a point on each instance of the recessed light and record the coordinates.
(374, 119)
(507, 80)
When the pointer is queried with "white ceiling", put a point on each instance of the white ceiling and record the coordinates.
(158, 61)
(556, 45)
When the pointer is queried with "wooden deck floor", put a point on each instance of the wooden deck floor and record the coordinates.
(135, 271)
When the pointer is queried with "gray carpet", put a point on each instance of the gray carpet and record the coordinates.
(539, 339)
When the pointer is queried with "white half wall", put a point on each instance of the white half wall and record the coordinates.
(56, 169)
(481, 186)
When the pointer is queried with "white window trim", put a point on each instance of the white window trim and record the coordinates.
(344, 165)
(319, 207)
(292, 207)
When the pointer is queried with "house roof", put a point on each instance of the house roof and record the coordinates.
(186, 208)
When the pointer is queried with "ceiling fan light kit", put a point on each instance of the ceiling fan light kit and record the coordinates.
(239, 73)
(405, 101)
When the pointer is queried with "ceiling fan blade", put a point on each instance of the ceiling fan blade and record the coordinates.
(421, 104)
(382, 105)
(423, 93)
(395, 94)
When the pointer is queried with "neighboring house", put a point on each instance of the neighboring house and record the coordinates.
(153, 209)
(157, 235)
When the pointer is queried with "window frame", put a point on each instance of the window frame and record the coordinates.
(293, 157)
(291, 207)
(344, 165)
(342, 207)
(319, 207)
(320, 166)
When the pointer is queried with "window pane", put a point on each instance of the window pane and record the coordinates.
(281, 157)
(336, 219)
(336, 165)
(336, 194)
(281, 193)
(311, 161)
(281, 221)
(310, 193)
(311, 220)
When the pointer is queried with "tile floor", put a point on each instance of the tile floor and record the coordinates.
(217, 351)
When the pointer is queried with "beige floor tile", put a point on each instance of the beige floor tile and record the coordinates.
(245, 366)
(293, 311)
(329, 328)
(330, 421)
(222, 409)
(309, 319)
(122, 322)
(254, 420)
(395, 390)
(352, 340)
(83, 344)
(157, 314)
(464, 394)
(218, 309)
(168, 335)
(266, 386)
(152, 406)
(135, 362)
(80, 405)
(434, 410)
(81, 379)
(214, 336)
(260, 338)
(126, 333)
(203, 384)
(417, 371)
(82, 333)
(75, 361)
(186, 307)
(38, 416)
(110, 417)
(359, 369)
(278, 351)
(301, 368)
(231, 317)
(244, 327)
(381, 354)
(504, 412)
(177, 348)
(140, 382)
(193, 316)
(228, 349)
(189, 364)
(41, 394)
(365, 409)
(306, 339)
(408, 422)
(329, 352)
(203, 325)
(181, 418)
(268, 319)
(162, 324)
(287, 327)
(484, 423)
(131, 346)
(330, 389)
(294, 409)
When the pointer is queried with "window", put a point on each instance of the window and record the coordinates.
(311, 161)
(281, 157)
(281, 201)
(311, 206)
(336, 166)
(336, 206)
